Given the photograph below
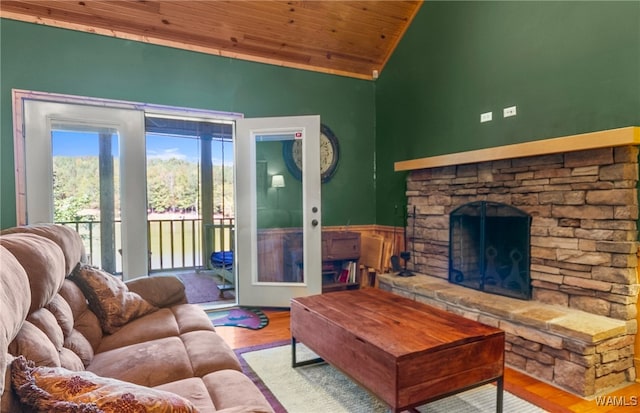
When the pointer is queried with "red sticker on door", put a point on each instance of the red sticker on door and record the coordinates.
(298, 135)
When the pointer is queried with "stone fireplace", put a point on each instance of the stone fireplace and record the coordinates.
(579, 328)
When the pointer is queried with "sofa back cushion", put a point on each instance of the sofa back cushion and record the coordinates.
(42, 260)
(65, 237)
(15, 299)
(84, 320)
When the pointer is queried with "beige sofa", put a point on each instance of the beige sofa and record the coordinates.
(72, 320)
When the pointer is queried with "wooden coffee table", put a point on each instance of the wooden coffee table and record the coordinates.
(405, 352)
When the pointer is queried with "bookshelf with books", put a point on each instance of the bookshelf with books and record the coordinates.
(340, 256)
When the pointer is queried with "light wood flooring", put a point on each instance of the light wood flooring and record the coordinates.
(543, 395)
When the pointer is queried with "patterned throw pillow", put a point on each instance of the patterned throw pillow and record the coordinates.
(109, 298)
(58, 390)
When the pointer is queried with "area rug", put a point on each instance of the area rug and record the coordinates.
(320, 388)
(245, 317)
(202, 288)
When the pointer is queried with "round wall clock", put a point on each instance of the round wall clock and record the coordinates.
(329, 155)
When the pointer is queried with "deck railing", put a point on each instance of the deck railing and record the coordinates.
(174, 244)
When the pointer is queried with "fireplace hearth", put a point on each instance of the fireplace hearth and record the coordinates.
(489, 248)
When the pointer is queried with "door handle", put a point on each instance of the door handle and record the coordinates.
(314, 222)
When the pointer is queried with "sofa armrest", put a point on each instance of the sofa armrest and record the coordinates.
(160, 291)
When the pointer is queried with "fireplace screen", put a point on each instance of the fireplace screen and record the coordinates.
(489, 248)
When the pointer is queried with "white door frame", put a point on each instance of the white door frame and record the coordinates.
(41, 117)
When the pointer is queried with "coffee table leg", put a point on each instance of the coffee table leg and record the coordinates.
(295, 363)
(500, 390)
(293, 352)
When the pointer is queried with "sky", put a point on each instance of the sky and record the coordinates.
(70, 143)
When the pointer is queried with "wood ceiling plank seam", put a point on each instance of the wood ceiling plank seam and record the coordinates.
(315, 55)
(145, 6)
(98, 9)
(320, 52)
(346, 12)
(354, 44)
(32, 8)
(237, 30)
(142, 28)
(310, 19)
(212, 14)
(77, 15)
(280, 54)
(318, 58)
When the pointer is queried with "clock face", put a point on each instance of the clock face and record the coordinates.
(329, 152)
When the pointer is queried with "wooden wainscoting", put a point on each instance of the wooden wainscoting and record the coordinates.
(271, 249)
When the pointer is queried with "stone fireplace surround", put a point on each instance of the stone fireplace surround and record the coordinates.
(578, 332)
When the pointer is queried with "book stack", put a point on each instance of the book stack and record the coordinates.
(348, 272)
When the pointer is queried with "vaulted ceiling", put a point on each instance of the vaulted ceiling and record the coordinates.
(349, 38)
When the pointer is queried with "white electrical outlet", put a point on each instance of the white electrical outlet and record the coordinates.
(486, 117)
(510, 111)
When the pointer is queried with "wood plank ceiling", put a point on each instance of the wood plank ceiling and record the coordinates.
(349, 38)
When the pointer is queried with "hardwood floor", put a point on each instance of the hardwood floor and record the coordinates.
(541, 394)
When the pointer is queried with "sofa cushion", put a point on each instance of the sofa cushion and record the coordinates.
(150, 363)
(190, 317)
(62, 313)
(231, 389)
(209, 352)
(109, 298)
(84, 320)
(15, 299)
(159, 324)
(61, 390)
(34, 344)
(42, 260)
(65, 237)
(166, 322)
(159, 290)
(192, 389)
(46, 321)
(78, 343)
(226, 391)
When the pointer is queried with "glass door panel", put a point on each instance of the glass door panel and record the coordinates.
(86, 190)
(173, 202)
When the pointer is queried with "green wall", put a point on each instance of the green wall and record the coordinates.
(41, 58)
(569, 67)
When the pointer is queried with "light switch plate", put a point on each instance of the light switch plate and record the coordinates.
(510, 111)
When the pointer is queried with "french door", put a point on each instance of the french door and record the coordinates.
(278, 213)
(112, 135)
(278, 217)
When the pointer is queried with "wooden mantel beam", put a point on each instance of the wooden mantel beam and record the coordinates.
(593, 140)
